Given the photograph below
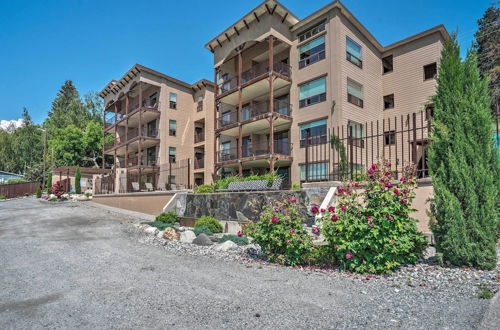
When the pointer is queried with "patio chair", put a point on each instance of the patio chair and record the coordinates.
(161, 186)
(149, 186)
(135, 186)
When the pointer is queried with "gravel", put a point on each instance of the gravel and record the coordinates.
(75, 266)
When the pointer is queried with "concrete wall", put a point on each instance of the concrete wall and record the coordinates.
(149, 203)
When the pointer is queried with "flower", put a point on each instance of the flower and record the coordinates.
(288, 241)
(388, 174)
(396, 191)
(335, 246)
(371, 171)
(314, 209)
(331, 209)
(293, 199)
(406, 191)
(274, 219)
(388, 164)
(335, 218)
(371, 225)
(239, 233)
(316, 230)
(348, 255)
(356, 184)
(403, 179)
(347, 192)
(291, 231)
(403, 200)
(374, 166)
(322, 210)
(388, 184)
(390, 217)
(369, 218)
(343, 207)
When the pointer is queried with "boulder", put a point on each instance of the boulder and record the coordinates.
(151, 230)
(203, 240)
(188, 237)
(82, 198)
(159, 234)
(226, 246)
(170, 234)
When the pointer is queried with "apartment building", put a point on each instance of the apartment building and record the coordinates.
(282, 83)
(158, 128)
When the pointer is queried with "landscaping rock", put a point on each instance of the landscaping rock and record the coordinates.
(151, 230)
(203, 240)
(82, 198)
(188, 237)
(159, 234)
(170, 234)
(226, 246)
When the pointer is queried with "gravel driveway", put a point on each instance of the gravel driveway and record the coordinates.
(75, 266)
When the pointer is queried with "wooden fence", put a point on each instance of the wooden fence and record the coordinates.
(18, 189)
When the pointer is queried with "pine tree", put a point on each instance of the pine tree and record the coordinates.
(464, 164)
(78, 177)
(487, 44)
(67, 109)
(49, 181)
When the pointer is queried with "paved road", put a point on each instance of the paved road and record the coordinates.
(74, 266)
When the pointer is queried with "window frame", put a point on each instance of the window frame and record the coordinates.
(313, 139)
(322, 177)
(389, 138)
(172, 132)
(393, 102)
(356, 140)
(348, 55)
(435, 73)
(352, 98)
(321, 26)
(313, 58)
(315, 99)
(170, 156)
(172, 104)
(392, 64)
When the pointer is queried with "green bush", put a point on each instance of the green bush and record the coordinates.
(167, 217)
(240, 240)
(371, 231)
(204, 189)
(87, 194)
(209, 222)
(296, 186)
(280, 234)
(320, 255)
(78, 178)
(224, 183)
(3, 197)
(160, 225)
(203, 230)
(12, 181)
(53, 199)
(38, 192)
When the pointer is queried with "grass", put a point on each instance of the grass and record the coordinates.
(485, 292)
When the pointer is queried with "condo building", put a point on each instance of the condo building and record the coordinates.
(282, 85)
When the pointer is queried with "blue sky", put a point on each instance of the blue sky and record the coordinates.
(43, 43)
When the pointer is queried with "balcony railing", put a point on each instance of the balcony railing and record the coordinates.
(134, 161)
(146, 104)
(255, 109)
(110, 121)
(199, 137)
(254, 150)
(199, 163)
(227, 118)
(109, 145)
(227, 154)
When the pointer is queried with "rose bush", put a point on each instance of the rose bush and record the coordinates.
(280, 234)
(370, 230)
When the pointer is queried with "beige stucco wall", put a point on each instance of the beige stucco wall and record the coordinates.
(149, 203)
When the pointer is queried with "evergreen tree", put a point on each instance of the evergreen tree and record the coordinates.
(463, 163)
(49, 180)
(487, 44)
(78, 177)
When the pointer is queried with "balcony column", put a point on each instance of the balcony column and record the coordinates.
(126, 129)
(140, 133)
(240, 114)
(116, 129)
(103, 135)
(216, 115)
(271, 40)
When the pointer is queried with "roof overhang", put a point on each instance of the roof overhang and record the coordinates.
(270, 7)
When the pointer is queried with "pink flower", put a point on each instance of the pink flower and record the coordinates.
(371, 225)
(390, 217)
(293, 199)
(335, 246)
(388, 174)
(374, 166)
(403, 179)
(274, 219)
(340, 189)
(356, 184)
(288, 241)
(343, 207)
(322, 210)
(403, 200)
(406, 191)
(316, 230)
(239, 234)
(331, 209)
(388, 184)
(291, 231)
(371, 171)
(388, 164)
(314, 209)
(348, 192)
(368, 218)
(348, 255)
(396, 191)
(335, 218)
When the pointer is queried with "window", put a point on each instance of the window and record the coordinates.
(172, 151)
(429, 111)
(153, 101)
(355, 134)
(312, 92)
(199, 106)
(226, 146)
(353, 52)
(387, 64)
(312, 52)
(311, 32)
(430, 71)
(314, 172)
(389, 101)
(172, 127)
(354, 93)
(173, 101)
(313, 133)
(389, 138)
(225, 118)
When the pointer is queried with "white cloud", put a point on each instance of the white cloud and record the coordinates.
(4, 124)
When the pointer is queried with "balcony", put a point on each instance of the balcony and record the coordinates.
(253, 82)
(135, 162)
(250, 152)
(199, 163)
(148, 138)
(199, 137)
(199, 106)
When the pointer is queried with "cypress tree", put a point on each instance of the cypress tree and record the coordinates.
(49, 181)
(463, 163)
(78, 177)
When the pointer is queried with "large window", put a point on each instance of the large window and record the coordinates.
(389, 138)
(354, 93)
(172, 127)
(312, 52)
(353, 52)
(173, 100)
(430, 71)
(172, 151)
(389, 101)
(355, 133)
(311, 32)
(312, 92)
(387, 64)
(313, 133)
(314, 172)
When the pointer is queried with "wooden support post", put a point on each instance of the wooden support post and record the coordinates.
(271, 102)
(189, 173)
(216, 114)
(126, 129)
(240, 113)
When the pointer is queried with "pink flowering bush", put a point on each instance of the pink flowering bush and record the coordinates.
(279, 233)
(370, 230)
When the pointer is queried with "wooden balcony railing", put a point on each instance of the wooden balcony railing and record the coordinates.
(199, 163)
(199, 137)
(255, 109)
(254, 150)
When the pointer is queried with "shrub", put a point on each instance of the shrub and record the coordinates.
(38, 192)
(53, 199)
(224, 183)
(280, 234)
(296, 186)
(49, 182)
(371, 231)
(204, 189)
(78, 177)
(87, 194)
(3, 197)
(209, 222)
(240, 240)
(203, 230)
(168, 217)
(160, 225)
(11, 181)
(58, 189)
